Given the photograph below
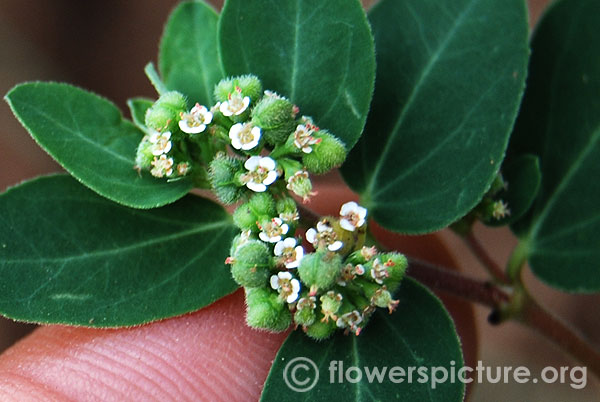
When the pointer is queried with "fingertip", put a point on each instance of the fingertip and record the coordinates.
(208, 355)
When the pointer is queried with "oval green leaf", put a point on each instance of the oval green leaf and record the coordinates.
(317, 53)
(560, 123)
(450, 77)
(420, 333)
(69, 256)
(87, 135)
(522, 177)
(188, 57)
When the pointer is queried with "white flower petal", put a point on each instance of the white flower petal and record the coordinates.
(279, 247)
(252, 163)
(335, 246)
(345, 224)
(289, 242)
(264, 237)
(284, 275)
(348, 207)
(256, 187)
(267, 163)
(311, 235)
(274, 282)
(271, 177)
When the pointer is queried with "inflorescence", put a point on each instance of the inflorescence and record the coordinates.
(252, 148)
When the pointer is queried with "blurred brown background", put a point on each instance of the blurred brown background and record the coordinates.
(104, 46)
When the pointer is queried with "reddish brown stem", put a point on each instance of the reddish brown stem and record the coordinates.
(534, 316)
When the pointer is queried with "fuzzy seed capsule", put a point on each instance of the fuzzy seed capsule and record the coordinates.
(251, 264)
(326, 155)
(265, 310)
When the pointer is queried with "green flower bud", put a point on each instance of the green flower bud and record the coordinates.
(244, 218)
(396, 264)
(237, 241)
(249, 85)
(319, 270)
(164, 115)
(383, 298)
(301, 185)
(330, 304)
(320, 329)
(305, 311)
(222, 175)
(275, 116)
(265, 310)
(326, 155)
(263, 205)
(251, 264)
(286, 205)
(362, 256)
(144, 156)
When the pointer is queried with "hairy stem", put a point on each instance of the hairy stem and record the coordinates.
(536, 317)
(457, 284)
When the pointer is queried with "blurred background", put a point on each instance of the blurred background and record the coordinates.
(104, 46)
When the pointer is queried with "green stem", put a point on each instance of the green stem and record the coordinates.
(517, 261)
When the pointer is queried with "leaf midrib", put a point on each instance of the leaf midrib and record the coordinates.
(406, 107)
(124, 249)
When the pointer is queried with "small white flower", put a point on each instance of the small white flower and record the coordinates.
(183, 168)
(244, 136)
(261, 173)
(324, 236)
(289, 216)
(287, 286)
(352, 216)
(379, 271)
(236, 104)
(163, 166)
(161, 143)
(273, 230)
(500, 210)
(303, 138)
(196, 120)
(290, 253)
(350, 320)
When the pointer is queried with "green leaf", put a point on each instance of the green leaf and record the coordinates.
(317, 53)
(87, 135)
(522, 177)
(449, 80)
(69, 256)
(560, 123)
(188, 57)
(419, 334)
(138, 108)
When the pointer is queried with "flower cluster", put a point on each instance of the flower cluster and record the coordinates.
(249, 141)
(337, 285)
(253, 147)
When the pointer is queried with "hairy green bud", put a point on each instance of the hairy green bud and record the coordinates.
(244, 218)
(222, 174)
(263, 205)
(249, 85)
(144, 155)
(319, 270)
(251, 263)
(265, 310)
(396, 264)
(305, 311)
(164, 115)
(275, 115)
(328, 154)
(320, 329)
